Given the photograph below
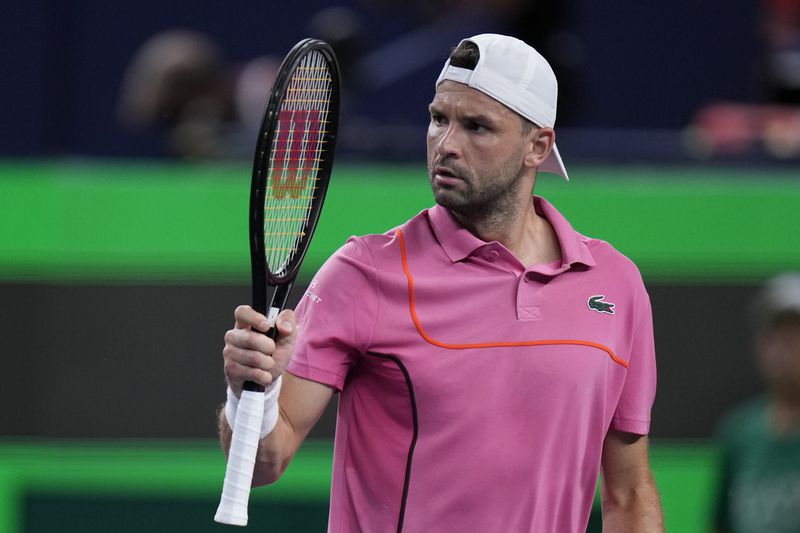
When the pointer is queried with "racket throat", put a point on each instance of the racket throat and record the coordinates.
(279, 299)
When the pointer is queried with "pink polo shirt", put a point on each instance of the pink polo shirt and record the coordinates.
(475, 392)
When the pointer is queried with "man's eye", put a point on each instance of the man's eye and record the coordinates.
(475, 126)
(437, 119)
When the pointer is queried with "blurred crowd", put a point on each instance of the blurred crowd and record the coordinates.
(180, 84)
(771, 126)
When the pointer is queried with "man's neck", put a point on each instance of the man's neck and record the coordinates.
(526, 234)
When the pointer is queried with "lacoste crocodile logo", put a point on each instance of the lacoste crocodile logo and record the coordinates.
(596, 303)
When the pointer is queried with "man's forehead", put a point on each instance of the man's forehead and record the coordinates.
(453, 92)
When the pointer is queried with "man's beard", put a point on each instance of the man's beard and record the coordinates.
(490, 200)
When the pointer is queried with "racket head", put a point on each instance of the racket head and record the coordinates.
(292, 164)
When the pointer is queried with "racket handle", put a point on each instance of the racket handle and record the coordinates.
(241, 460)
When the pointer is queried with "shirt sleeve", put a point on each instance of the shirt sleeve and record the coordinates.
(336, 316)
(632, 414)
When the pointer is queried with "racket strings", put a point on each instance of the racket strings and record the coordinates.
(294, 160)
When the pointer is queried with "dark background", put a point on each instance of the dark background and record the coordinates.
(131, 361)
(644, 65)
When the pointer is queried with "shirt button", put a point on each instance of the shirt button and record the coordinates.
(492, 256)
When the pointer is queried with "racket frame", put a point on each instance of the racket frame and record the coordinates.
(262, 277)
(246, 428)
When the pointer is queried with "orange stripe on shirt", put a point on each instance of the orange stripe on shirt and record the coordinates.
(499, 344)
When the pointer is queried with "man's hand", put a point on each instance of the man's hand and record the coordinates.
(250, 355)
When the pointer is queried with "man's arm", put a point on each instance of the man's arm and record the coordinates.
(250, 355)
(628, 491)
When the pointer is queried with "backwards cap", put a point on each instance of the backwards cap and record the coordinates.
(518, 77)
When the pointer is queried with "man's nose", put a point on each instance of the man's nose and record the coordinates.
(448, 144)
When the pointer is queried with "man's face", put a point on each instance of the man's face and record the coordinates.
(779, 355)
(476, 151)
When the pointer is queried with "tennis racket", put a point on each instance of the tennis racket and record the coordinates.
(291, 171)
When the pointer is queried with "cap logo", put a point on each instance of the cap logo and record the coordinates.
(596, 303)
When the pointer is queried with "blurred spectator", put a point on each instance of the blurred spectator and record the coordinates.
(178, 83)
(780, 32)
(736, 129)
(771, 127)
(759, 488)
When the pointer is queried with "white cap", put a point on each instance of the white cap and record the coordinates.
(518, 77)
(780, 295)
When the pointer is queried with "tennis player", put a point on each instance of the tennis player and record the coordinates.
(489, 359)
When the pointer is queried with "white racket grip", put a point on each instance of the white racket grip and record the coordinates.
(241, 460)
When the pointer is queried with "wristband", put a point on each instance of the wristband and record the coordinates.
(271, 410)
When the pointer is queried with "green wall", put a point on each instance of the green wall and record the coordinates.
(107, 220)
(133, 486)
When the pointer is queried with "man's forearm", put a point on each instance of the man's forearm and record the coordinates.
(301, 404)
(633, 511)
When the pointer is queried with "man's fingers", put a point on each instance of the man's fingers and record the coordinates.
(249, 340)
(248, 318)
(286, 323)
(241, 364)
(237, 374)
(287, 329)
(248, 358)
(252, 356)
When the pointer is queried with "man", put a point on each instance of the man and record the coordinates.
(759, 488)
(487, 356)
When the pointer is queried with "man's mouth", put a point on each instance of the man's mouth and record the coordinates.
(445, 175)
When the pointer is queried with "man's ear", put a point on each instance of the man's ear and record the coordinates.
(541, 142)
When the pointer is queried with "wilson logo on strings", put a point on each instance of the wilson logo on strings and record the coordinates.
(295, 160)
